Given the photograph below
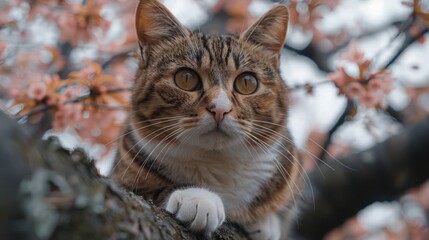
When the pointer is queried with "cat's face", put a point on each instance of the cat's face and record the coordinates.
(211, 92)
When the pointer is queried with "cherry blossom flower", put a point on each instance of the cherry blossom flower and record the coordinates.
(305, 14)
(68, 115)
(356, 82)
(98, 84)
(37, 91)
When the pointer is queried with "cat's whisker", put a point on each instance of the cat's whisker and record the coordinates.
(266, 150)
(165, 129)
(138, 142)
(157, 119)
(318, 145)
(140, 128)
(286, 138)
(285, 172)
(281, 169)
(148, 157)
(164, 140)
(247, 148)
(170, 145)
(268, 134)
(301, 167)
(317, 158)
(129, 113)
(264, 147)
(291, 142)
(276, 150)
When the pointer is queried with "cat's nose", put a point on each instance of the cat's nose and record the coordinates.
(218, 113)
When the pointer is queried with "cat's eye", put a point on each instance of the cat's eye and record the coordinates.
(187, 79)
(246, 84)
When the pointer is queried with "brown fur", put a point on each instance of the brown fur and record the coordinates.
(166, 46)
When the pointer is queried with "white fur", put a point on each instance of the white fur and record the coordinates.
(222, 101)
(206, 136)
(236, 173)
(201, 209)
(222, 164)
(267, 229)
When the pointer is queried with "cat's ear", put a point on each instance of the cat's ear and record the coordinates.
(155, 22)
(269, 31)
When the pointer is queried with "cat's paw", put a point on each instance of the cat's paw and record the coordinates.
(200, 208)
(268, 229)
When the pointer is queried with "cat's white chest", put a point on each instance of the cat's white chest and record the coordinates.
(236, 178)
(236, 175)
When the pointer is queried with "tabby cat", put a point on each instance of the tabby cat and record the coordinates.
(206, 135)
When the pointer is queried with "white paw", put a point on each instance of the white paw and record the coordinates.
(200, 208)
(268, 229)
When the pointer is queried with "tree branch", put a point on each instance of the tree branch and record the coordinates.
(51, 193)
(46, 107)
(408, 41)
(341, 120)
(380, 173)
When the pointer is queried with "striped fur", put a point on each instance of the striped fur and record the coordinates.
(171, 141)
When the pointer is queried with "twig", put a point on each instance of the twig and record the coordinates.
(341, 120)
(305, 85)
(104, 106)
(407, 42)
(45, 107)
(118, 55)
(410, 40)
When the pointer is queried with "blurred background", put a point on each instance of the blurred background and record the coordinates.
(357, 69)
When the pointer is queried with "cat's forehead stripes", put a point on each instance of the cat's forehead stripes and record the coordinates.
(220, 53)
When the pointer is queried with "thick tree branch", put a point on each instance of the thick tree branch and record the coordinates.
(380, 173)
(51, 193)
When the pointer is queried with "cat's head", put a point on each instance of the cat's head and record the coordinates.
(211, 92)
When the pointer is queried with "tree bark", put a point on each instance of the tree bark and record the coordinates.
(48, 192)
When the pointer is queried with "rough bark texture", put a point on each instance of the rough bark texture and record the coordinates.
(48, 192)
(380, 173)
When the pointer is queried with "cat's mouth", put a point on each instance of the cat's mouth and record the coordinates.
(217, 132)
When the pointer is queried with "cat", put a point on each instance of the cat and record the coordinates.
(206, 136)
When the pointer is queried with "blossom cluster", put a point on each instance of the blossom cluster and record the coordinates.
(356, 81)
(88, 101)
(305, 14)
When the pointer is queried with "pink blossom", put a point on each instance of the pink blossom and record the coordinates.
(375, 84)
(37, 91)
(67, 115)
(387, 80)
(353, 90)
(3, 47)
(353, 54)
(373, 99)
(355, 80)
(368, 99)
(339, 77)
(59, 124)
(87, 72)
(14, 93)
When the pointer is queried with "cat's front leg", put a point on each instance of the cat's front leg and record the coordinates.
(201, 209)
(266, 229)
